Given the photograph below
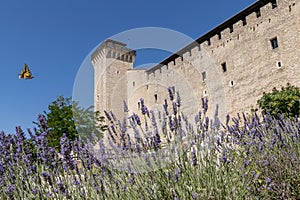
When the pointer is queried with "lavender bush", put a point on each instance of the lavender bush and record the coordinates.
(247, 157)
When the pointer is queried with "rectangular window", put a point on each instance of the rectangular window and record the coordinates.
(203, 76)
(219, 36)
(155, 97)
(274, 43)
(224, 67)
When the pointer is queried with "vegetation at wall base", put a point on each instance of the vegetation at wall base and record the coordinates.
(285, 101)
(253, 158)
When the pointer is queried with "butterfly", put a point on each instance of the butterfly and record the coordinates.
(25, 73)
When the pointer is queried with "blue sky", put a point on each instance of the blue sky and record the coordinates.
(54, 37)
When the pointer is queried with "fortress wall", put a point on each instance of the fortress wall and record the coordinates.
(236, 58)
(250, 60)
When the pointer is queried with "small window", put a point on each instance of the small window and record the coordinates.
(133, 83)
(231, 83)
(219, 36)
(139, 105)
(205, 93)
(155, 97)
(258, 14)
(274, 43)
(224, 67)
(203, 76)
(279, 65)
(274, 4)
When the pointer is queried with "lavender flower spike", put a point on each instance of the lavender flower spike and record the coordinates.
(171, 93)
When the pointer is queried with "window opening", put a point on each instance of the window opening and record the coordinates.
(279, 65)
(274, 43)
(224, 67)
(155, 96)
(203, 76)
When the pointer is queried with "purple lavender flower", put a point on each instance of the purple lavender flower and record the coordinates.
(137, 119)
(195, 195)
(166, 107)
(107, 115)
(171, 94)
(194, 157)
(178, 99)
(125, 106)
(174, 108)
(42, 123)
(204, 104)
(9, 191)
(47, 177)
(144, 110)
(171, 124)
(227, 119)
(113, 116)
(177, 174)
(142, 102)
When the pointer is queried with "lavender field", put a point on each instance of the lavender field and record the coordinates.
(247, 157)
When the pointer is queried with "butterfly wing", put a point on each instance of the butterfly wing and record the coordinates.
(21, 75)
(27, 73)
(27, 68)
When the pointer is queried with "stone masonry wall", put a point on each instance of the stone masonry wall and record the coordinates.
(232, 65)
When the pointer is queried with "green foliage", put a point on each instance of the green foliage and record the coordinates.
(65, 116)
(286, 101)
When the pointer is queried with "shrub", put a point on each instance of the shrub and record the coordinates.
(285, 102)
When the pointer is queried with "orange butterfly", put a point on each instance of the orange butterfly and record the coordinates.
(25, 73)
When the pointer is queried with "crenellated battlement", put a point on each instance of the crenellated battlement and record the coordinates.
(246, 21)
(112, 49)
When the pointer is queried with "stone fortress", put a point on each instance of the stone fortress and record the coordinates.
(232, 65)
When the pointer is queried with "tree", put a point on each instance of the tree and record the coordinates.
(286, 101)
(65, 116)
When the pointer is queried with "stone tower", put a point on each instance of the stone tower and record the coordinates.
(111, 61)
